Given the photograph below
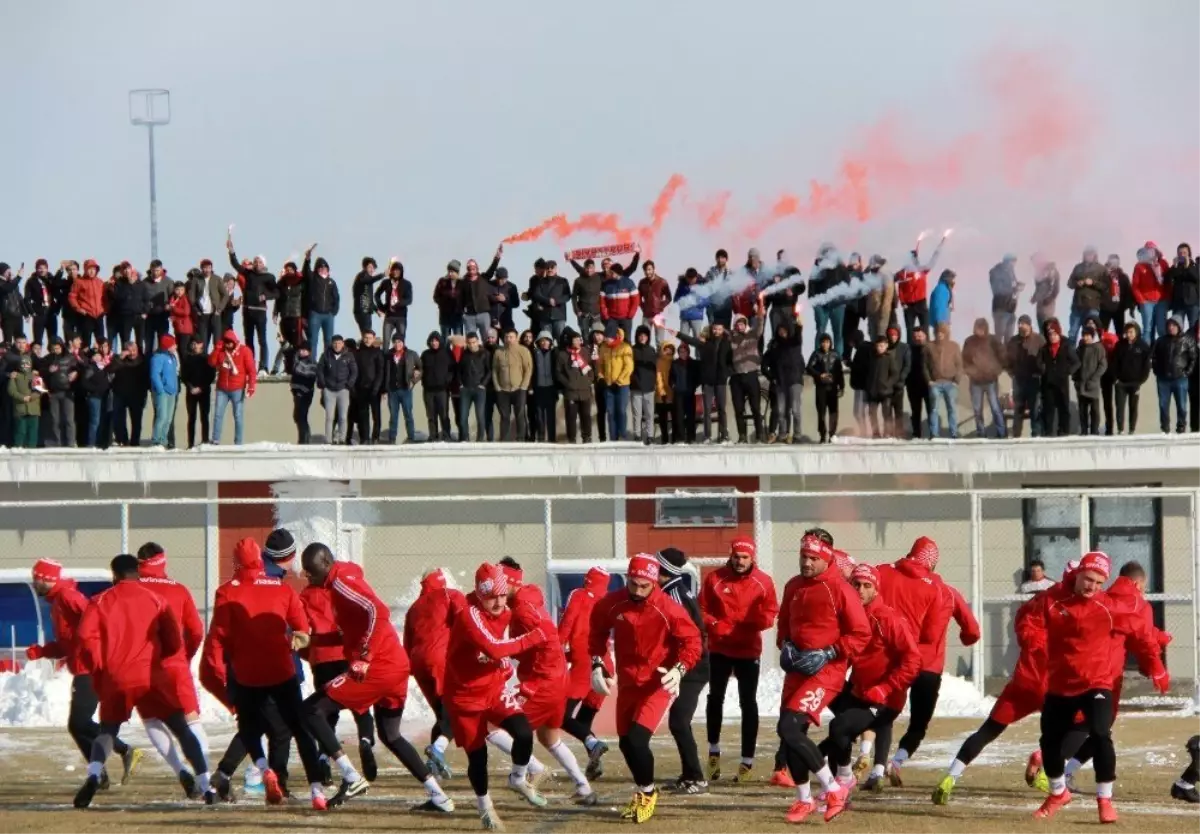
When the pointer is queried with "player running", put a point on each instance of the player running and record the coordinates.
(1184, 788)
(656, 643)
(738, 603)
(582, 702)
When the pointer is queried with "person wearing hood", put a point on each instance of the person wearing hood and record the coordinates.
(983, 360)
(25, 393)
(258, 287)
(1118, 299)
(130, 386)
(883, 375)
(512, 373)
(1174, 360)
(196, 377)
(1021, 354)
(365, 405)
(573, 374)
(475, 291)
(1092, 365)
(544, 387)
(943, 368)
(1183, 286)
(236, 383)
(642, 385)
(670, 428)
(392, 299)
(1151, 292)
(1130, 367)
(437, 374)
(616, 367)
(164, 388)
(745, 363)
(323, 301)
(692, 303)
(60, 370)
(362, 292)
(1046, 285)
(858, 367)
(599, 385)
(783, 364)
(825, 367)
(941, 300)
(1057, 363)
(901, 355)
(1090, 281)
(1005, 288)
(337, 374)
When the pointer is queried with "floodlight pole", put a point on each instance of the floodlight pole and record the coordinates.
(153, 200)
(151, 108)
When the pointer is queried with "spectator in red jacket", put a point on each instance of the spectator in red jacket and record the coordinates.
(824, 629)
(582, 702)
(87, 301)
(377, 677)
(1151, 292)
(123, 635)
(236, 381)
(477, 667)
(656, 643)
(173, 676)
(427, 627)
(618, 294)
(67, 604)
(738, 604)
(1086, 633)
(880, 677)
(654, 296)
(180, 310)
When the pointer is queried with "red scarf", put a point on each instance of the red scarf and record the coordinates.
(1054, 348)
(578, 361)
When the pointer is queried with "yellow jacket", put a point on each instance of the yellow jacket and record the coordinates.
(662, 379)
(616, 361)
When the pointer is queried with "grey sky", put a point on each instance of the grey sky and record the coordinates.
(432, 130)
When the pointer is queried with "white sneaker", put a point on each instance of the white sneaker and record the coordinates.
(526, 791)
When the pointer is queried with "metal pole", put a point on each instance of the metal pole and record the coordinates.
(977, 588)
(124, 527)
(1196, 597)
(548, 531)
(153, 200)
(1085, 525)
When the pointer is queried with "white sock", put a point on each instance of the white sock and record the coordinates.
(164, 743)
(1058, 785)
(957, 769)
(900, 758)
(441, 744)
(347, 767)
(590, 743)
(484, 802)
(253, 775)
(317, 789)
(1104, 790)
(1072, 767)
(844, 772)
(866, 746)
(519, 771)
(536, 767)
(204, 782)
(261, 765)
(804, 792)
(198, 731)
(877, 770)
(646, 788)
(322, 757)
(501, 740)
(825, 776)
(563, 755)
(748, 762)
(1187, 786)
(94, 769)
(434, 790)
(714, 749)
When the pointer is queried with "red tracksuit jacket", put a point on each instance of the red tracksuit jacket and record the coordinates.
(366, 623)
(67, 604)
(911, 286)
(960, 612)
(1146, 288)
(153, 575)
(325, 644)
(916, 594)
(544, 665)
(125, 632)
(476, 665)
(1126, 594)
(891, 658)
(826, 611)
(427, 624)
(745, 603)
(648, 634)
(1030, 672)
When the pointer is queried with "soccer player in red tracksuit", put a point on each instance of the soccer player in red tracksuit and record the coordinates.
(477, 669)
(1086, 634)
(542, 675)
(656, 643)
(426, 638)
(738, 604)
(123, 635)
(377, 677)
(879, 678)
(824, 629)
(67, 604)
(912, 586)
(257, 621)
(174, 674)
(583, 703)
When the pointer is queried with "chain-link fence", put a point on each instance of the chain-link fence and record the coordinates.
(992, 542)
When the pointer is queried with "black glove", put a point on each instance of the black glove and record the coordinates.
(811, 661)
(789, 656)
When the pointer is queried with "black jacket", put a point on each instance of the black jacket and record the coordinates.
(575, 384)
(337, 371)
(474, 369)
(39, 296)
(901, 357)
(97, 381)
(56, 371)
(645, 366)
(1185, 285)
(1174, 356)
(158, 293)
(715, 357)
(321, 294)
(882, 375)
(363, 292)
(401, 372)
(370, 370)
(128, 299)
(257, 287)
(1124, 300)
(685, 376)
(585, 295)
(131, 379)
(304, 376)
(827, 362)
(475, 294)
(437, 366)
(289, 299)
(504, 299)
(783, 362)
(1057, 371)
(404, 296)
(678, 590)
(196, 372)
(1131, 361)
(915, 380)
(860, 366)
(543, 290)
(1021, 357)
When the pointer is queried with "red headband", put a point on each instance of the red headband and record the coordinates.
(490, 581)
(643, 566)
(865, 573)
(924, 552)
(1097, 562)
(816, 546)
(47, 570)
(743, 546)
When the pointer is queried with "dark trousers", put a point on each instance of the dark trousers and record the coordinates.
(198, 405)
(916, 317)
(363, 320)
(578, 720)
(1089, 415)
(679, 721)
(60, 420)
(879, 427)
(157, 326)
(127, 328)
(200, 330)
(474, 397)
(81, 723)
(1058, 717)
(668, 422)
(1056, 411)
(800, 753)
(437, 412)
(852, 717)
(578, 414)
(1026, 399)
(292, 328)
(489, 414)
(922, 700)
(45, 325)
(128, 434)
(252, 726)
(12, 327)
(1127, 392)
(394, 326)
(827, 411)
(366, 414)
(988, 732)
(90, 329)
(918, 401)
(683, 415)
(512, 416)
(254, 323)
(896, 429)
(745, 387)
(279, 745)
(601, 411)
(545, 422)
(746, 672)
(1106, 397)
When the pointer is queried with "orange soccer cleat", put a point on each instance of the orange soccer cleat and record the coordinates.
(273, 790)
(835, 802)
(1054, 803)
(1108, 812)
(782, 778)
(1032, 767)
(799, 811)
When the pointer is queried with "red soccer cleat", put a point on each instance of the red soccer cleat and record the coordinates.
(782, 779)
(835, 803)
(1054, 803)
(799, 811)
(319, 803)
(271, 786)
(1108, 813)
(1032, 767)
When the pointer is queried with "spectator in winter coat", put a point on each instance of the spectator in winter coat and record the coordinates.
(1092, 365)
(473, 372)
(683, 381)
(447, 295)
(746, 361)
(1089, 279)
(664, 397)
(828, 272)
(368, 389)
(941, 300)
(600, 385)
(784, 366)
(197, 377)
(39, 303)
(258, 287)
(1151, 292)
(130, 385)
(164, 388)
(1130, 367)
(549, 298)
(1119, 298)
(654, 294)
(1057, 363)
(1174, 360)
(512, 374)
(573, 374)
(1109, 341)
(362, 293)
(59, 371)
(1183, 285)
(25, 395)
(642, 385)
(127, 309)
(324, 302)
(1194, 382)
(585, 294)
(183, 324)
(1021, 354)
(901, 355)
(619, 296)
(881, 301)
(392, 300)
(402, 372)
(692, 304)
(231, 290)
(882, 378)
(1045, 289)
(859, 363)
(714, 354)
(158, 291)
(337, 373)
(12, 305)
(475, 295)
(96, 382)
(289, 307)
(983, 360)
(829, 382)
(236, 383)
(616, 366)
(718, 292)
(208, 300)
(504, 299)
(1005, 289)
(943, 368)
(911, 289)
(545, 391)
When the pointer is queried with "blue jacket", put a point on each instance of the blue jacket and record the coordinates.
(694, 309)
(939, 302)
(164, 373)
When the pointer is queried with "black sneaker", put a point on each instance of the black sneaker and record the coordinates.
(348, 790)
(85, 795)
(211, 798)
(367, 754)
(595, 769)
(326, 773)
(223, 786)
(188, 782)
(104, 783)
(1189, 795)
(689, 786)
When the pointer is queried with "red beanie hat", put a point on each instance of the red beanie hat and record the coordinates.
(490, 581)
(513, 575)
(1097, 562)
(816, 546)
(644, 566)
(1070, 569)
(166, 342)
(924, 552)
(743, 546)
(46, 570)
(596, 579)
(865, 573)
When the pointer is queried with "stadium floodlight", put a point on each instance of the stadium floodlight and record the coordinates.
(151, 109)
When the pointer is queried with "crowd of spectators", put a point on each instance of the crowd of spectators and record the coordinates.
(83, 355)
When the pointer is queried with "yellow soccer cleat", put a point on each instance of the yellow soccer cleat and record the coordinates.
(714, 766)
(1041, 782)
(646, 803)
(862, 766)
(941, 794)
(129, 764)
(629, 812)
(744, 773)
